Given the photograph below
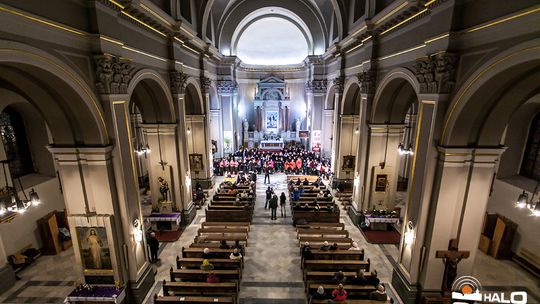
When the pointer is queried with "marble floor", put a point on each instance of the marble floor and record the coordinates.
(272, 264)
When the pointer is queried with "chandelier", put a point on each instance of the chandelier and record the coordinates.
(10, 202)
(533, 206)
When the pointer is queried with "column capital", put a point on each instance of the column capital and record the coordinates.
(164, 128)
(76, 154)
(115, 98)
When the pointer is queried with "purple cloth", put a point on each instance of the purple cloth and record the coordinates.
(100, 292)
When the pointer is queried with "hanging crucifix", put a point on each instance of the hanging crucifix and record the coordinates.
(451, 258)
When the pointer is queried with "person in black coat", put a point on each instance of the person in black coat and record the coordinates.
(153, 244)
(282, 202)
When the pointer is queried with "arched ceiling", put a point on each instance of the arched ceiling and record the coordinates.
(222, 18)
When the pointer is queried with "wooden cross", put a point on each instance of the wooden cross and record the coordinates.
(451, 258)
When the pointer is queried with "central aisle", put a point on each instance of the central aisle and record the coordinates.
(272, 271)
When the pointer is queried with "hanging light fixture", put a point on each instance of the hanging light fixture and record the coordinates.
(34, 198)
(10, 197)
(404, 149)
(522, 200)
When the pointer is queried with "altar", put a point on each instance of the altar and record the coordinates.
(271, 145)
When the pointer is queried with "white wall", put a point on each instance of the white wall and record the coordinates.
(502, 201)
(23, 229)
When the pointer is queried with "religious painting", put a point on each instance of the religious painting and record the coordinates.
(381, 181)
(348, 162)
(271, 120)
(196, 162)
(94, 248)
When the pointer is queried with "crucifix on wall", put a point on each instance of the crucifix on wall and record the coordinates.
(451, 258)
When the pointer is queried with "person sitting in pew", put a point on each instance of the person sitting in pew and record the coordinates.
(223, 245)
(296, 194)
(339, 294)
(298, 182)
(306, 252)
(212, 278)
(373, 280)
(359, 278)
(320, 294)
(232, 191)
(250, 195)
(379, 294)
(317, 183)
(320, 194)
(334, 247)
(238, 246)
(206, 265)
(305, 182)
(325, 246)
(207, 254)
(235, 255)
(327, 193)
(354, 246)
(335, 208)
(339, 277)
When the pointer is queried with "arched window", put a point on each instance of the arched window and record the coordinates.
(15, 143)
(530, 167)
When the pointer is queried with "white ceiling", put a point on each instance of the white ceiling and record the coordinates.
(272, 41)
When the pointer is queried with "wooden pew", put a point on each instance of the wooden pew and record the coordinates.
(197, 275)
(336, 265)
(195, 263)
(239, 229)
(338, 254)
(225, 224)
(316, 225)
(200, 288)
(197, 252)
(312, 216)
(331, 240)
(192, 300)
(328, 276)
(322, 232)
(353, 291)
(227, 207)
(228, 237)
(228, 216)
(350, 301)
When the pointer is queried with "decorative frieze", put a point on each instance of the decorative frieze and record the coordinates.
(178, 81)
(113, 74)
(366, 81)
(227, 86)
(316, 86)
(436, 74)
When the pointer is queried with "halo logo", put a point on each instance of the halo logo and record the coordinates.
(468, 289)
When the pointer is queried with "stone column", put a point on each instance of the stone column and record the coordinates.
(163, 164)
(208, 157)
(336, 123)
(140, 277)
(361, 172)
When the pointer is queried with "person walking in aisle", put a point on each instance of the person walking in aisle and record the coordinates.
(153, 243)
(282, 200)
(267, 174)
(269, 193)
(273, 206)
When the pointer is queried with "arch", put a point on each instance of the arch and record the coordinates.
(486, 101)
(68, 105)
(394, 95)
(276, 12)
(236, 12)
(194, 102)
(351, 97)
(150, 92)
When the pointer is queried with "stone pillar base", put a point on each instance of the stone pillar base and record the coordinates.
(354, 215)
(207, 183)
(137, 291)
(409, 294)
(189, 214)
(7, 278)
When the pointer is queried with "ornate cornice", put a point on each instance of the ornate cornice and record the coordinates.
(113, 74)
(227, 86)
(436, 73)
(178, 81)
(366, 81)
(316, 86)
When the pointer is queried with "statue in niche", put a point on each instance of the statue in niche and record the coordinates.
(245, 124)
(163, 189)
(297, 124)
